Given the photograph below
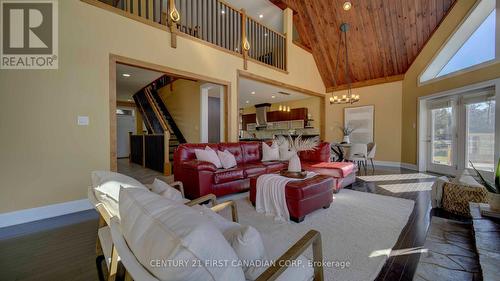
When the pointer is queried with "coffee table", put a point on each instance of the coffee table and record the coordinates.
(303, 196)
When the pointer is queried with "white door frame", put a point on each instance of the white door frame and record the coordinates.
(422, 118)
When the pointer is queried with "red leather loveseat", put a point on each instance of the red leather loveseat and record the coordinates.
(201, 178)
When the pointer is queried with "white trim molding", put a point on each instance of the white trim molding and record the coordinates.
(44, 212)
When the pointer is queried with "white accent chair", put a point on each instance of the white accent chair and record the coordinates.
(372, 147)
(358, 154)
(136, 264)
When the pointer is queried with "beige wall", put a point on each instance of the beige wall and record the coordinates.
(183, 103)
(412, 91)
(46, 157)
(386, 98)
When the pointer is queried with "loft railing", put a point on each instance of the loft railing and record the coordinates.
(215, 22)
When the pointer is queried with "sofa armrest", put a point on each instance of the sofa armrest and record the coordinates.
(234, 211)
(313, 238)
(209, 197)
(199, 166)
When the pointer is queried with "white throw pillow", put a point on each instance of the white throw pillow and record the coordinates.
(245, 241)
(285, 152)
(164, 189)
(208, 155)
(227, 159)
(158, 229)
(270, 153)
(106, 186)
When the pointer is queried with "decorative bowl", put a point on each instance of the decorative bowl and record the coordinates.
(294, 175)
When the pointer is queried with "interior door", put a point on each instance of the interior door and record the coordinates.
(442, 138)
(125, 123)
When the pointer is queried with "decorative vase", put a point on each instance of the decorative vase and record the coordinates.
(346, 139)
(294, 164)
(494, 201)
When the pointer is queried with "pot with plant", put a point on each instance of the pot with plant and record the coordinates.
(297, 145)
(347, 131)
(492, 187)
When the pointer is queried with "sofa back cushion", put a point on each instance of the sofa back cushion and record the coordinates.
(252, 151)
(159, 230)
(320, 154)
(234, 148)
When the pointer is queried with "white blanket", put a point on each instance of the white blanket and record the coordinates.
(270, 195)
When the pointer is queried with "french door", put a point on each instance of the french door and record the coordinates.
(461, 130)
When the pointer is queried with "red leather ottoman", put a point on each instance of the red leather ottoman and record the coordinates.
(303, 196)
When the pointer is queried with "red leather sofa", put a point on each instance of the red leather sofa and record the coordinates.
(201, 178)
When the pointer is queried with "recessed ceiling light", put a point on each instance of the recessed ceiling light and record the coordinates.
(247, 101)
(265, 34)
(222, 12)
(129, 100)
(261, 16)
(126, 75)
(347, 6)
(253, 93)
(273, 96)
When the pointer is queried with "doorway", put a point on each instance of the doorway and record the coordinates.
(460, 131)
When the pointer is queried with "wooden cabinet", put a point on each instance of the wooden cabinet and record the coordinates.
(278, 116)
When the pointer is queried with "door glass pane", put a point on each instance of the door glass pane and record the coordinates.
(480, 135)
(442, 136)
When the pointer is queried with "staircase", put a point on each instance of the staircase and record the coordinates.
(156, 116)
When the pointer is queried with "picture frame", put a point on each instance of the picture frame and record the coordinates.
(362, 118)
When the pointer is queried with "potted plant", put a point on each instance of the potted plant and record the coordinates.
(347, 131)
(493, 188)
(298, 144)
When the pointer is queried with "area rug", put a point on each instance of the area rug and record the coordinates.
(358, 231)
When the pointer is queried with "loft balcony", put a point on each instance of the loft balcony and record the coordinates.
(215, 22)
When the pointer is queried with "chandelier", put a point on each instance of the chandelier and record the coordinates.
(348, 98)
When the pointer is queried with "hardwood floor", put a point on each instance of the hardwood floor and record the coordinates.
(63, 248)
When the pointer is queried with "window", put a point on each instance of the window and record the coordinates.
(480, 47)
(480, 132)
(472, 43)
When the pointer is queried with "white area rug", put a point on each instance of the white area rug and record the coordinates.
(407, 187)
(359, 228)
(394, 177)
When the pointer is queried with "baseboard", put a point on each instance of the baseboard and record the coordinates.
(396, 165)
(409, 166)
(44, 212)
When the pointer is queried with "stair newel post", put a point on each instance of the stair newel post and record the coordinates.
(245, 45)
(173, 18)
(166, 162)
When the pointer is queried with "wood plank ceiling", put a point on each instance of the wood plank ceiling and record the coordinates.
(384, 38)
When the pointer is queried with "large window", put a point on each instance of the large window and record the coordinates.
(472, 43)
(480, 134)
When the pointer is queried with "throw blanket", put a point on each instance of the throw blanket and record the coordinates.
(270, 195)
(345, 168)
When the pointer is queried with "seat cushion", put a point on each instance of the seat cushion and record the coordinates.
(253, 169)
(159, 230)
(274, 166)
(228, 175)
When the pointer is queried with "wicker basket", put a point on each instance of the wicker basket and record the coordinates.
(456, 198)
